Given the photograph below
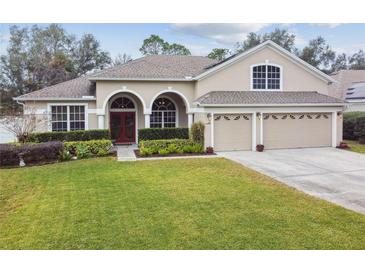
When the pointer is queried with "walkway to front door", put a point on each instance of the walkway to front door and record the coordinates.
(126, 152)
(123, 127)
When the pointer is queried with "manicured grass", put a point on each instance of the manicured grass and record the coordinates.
(356, 147)
(167, 204)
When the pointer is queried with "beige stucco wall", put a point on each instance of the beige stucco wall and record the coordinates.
(146, 89)
(238, 75)
(40, 108)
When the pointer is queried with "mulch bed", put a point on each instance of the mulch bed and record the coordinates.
(136, 152)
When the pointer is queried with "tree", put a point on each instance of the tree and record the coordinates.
(281, 37)
(38, 57)
(339, 63)
(121, 59)
(357, 60)
(252, 40)
(219, 54)
(87, 55)
(318, 53)
(176, 49)
(155, 45)
(22, 125)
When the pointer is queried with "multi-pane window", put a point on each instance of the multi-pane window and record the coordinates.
(59, 118)
(65, 118)
(77, 117)
(163, 113)
(266, 77)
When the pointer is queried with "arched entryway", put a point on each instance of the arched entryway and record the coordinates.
(125, 111)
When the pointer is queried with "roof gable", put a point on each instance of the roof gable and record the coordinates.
(290, 56)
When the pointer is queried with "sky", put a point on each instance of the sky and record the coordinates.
(200, 39)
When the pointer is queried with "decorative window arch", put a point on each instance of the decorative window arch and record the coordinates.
(121, 103)
(164, 113)
(266, 77)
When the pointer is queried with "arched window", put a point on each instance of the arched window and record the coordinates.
(266, 77)
(122, 103)
(163, 113)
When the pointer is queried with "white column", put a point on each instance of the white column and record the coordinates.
(190, 120)
(101, 119)
(261, 128)
(147, 120)
(212, 130)
(253, 131)
(334, 129)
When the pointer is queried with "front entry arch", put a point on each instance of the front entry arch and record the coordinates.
(123, 122)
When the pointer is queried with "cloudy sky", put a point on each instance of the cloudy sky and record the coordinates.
(201, 38)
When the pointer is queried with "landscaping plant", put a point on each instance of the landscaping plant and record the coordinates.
(197, 133)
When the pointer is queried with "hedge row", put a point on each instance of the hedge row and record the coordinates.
(10, 154)
(86, 149)
(162, 133)
(164, 147)
(353, 125)
(65, 136)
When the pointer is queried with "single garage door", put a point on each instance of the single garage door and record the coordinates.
(297, 130)
(232, 132)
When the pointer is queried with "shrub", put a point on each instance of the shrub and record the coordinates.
(67, 136)
(162, 133)
(31, 153)
(353, 123)
(164, 147)
(163, 151)
(65, 155)
(197, 133)
(85, 149)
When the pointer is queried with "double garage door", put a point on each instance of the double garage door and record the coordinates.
(280, 130)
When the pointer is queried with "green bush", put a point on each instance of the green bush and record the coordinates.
(85, 149)
(162, 133)
(197, 133)
(68, 136)
(353, 124)
(164, 147)
(65, 155)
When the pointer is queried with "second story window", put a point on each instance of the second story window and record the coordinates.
(266, 77)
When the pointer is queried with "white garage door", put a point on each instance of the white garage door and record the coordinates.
(297, 130)
(232, 132)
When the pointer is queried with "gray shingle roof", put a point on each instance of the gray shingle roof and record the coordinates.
(75, 88)
(265, 98)
(158, 67)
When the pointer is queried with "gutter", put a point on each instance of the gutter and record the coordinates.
(53, 99)
(272, 105)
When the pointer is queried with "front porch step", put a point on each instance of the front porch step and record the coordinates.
(126, 152)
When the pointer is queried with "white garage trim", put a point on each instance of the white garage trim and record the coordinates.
(334, 129)
(253, 141)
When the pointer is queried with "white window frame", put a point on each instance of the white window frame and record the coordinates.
(266, 78)
(163, 111)
(49, 111)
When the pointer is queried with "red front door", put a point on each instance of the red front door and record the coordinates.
(123, 127)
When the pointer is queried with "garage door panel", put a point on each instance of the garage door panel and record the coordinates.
(232, 132)
(297, 130)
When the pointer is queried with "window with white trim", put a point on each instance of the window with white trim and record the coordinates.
(163, 113)
(266, 77)
(66, 118)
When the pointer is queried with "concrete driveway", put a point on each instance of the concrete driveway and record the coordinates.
(334, 175)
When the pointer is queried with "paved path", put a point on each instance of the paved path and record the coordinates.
(334, 175)
(126, 152)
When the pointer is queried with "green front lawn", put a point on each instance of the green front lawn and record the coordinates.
(178, 204)
(355, 146)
